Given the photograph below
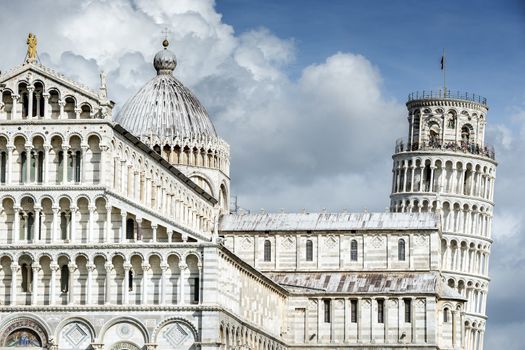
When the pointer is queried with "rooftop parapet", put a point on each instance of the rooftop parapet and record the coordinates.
(447, 95)
(485, 150)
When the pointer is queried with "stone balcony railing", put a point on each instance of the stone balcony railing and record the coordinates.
(460, 147)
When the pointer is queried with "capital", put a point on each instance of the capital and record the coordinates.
(36, 267)
(91, 267)
(72, 267)
(146, 267)
(108, 266)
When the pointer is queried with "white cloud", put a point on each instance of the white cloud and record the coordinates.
(324, 140)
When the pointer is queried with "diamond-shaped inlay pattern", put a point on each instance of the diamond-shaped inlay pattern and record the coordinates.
(76, 335)
(175, 335)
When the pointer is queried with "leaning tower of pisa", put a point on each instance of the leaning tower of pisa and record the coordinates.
(444, 165)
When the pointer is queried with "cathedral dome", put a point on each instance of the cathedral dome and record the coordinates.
(164, 107)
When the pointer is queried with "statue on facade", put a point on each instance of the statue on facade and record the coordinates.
(31, 48)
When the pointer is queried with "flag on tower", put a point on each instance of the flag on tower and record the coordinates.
(443, 61)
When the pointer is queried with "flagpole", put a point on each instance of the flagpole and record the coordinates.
(444, 74)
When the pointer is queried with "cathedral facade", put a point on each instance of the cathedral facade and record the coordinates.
(116, 233)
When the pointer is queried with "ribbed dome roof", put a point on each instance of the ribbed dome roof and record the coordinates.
(164, 107)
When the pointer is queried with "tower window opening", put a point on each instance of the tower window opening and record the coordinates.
(27, 277)
(267, 250)
(401, 250)
(3, 167)
(78, 159)
(309, 250)
(408, 310)
(353, 311)
(29, 226)
(63, 225)
(64, 279)
(23, 165)
(196, 289)
(327, 310)
(380, 311)
(465, 134)
(130, 280)
(445, 315)
(130, 229)
(353, 250)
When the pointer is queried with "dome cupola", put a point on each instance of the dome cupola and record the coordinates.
(164, 107)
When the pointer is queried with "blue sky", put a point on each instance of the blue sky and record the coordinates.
(310, 94)
(484, 40)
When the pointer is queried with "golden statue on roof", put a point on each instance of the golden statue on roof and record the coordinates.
(31, 48)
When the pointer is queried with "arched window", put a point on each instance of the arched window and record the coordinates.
(445, 315)
(309, 250)
(78, 158)
(40, 167)
(29, 226)
(401, 250)
(64, 279)
(434, 134)
(3, 169)
(63, 225)
(60, 166)
(130, 229)
(23, 165)
(130, 280)
(26, 277)
(267, 250)
(465, 134)
(353, 250)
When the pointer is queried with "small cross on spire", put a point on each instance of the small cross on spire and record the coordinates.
(165, 42)
(166, 32)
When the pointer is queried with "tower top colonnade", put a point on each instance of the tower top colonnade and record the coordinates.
(453, 121)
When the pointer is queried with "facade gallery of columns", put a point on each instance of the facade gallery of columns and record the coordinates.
(115, 231)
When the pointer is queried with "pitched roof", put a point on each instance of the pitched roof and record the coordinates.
(328, 222)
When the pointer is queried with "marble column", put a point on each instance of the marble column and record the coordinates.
(36, 225)
(46, 105)
(36, 275)
(108, 234)
(55, 224)
(30, 90)
(47, 155)
(123, 216)
(163, 268)
(53, 283)
(73, 236)
(70, 283)
(89, 283)
(27, 179)
(181, 298)
(145, 281)
(62, 104)
(65, 158)
(15, 270)
(16, 225)
(84, 148)
(125, 288)
(9, 164)
(154, 233)
(91, 224)
(107, 295)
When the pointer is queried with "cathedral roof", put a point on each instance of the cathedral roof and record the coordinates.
(359, 282)
(328, 221)
(164, 107)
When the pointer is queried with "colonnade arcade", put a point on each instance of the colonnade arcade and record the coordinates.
(466, 217)
(436, 175)
(80, 277)
(52, 159)
(474, 290)
(235, 336)
(141, 180)
(31, 99)
(59, 219)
